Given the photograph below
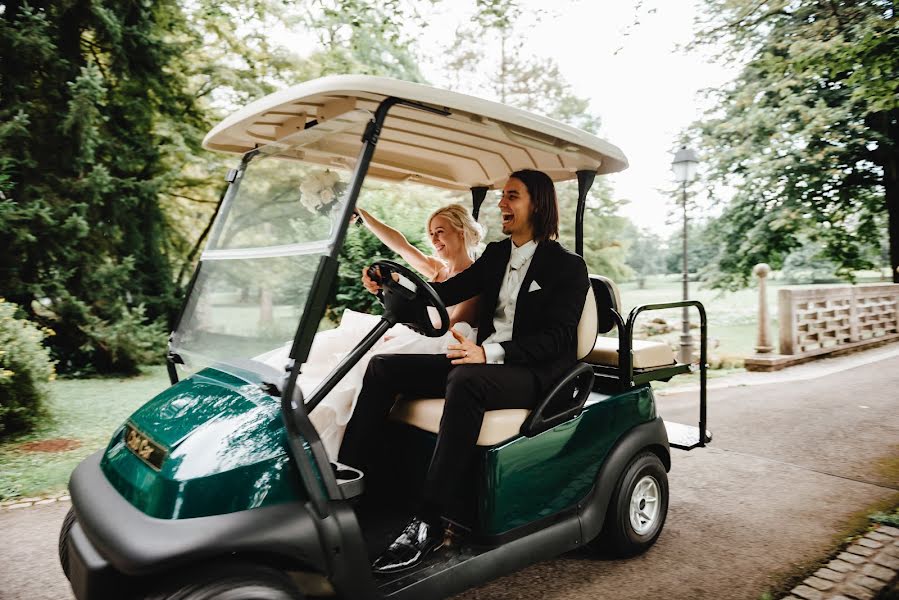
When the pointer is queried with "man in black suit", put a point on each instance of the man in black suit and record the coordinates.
(532, 293)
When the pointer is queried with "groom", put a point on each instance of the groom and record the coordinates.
(532, 293)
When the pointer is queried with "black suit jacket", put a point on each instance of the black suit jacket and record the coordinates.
(544, 333)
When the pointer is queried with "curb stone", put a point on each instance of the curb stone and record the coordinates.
(17, 503)
(859, 572)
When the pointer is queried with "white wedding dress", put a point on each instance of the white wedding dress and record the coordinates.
(329, 347)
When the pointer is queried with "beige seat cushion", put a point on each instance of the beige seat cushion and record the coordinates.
(646, 354)
(498, 426)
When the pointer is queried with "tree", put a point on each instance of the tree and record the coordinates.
(807, 265)
(80, 219)
(808, 134)
(703, 247)
(644, 255)
(104, 190)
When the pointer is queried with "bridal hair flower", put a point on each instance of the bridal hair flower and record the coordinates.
(320, 190)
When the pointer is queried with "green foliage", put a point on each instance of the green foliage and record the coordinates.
(808, 264)
(25, 371)
(645, 254)
(808, 134)
(363, 37)
(883, 518)
(703, 248)
(81, 224)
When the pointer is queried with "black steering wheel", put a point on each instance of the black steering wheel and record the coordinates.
(406, 305)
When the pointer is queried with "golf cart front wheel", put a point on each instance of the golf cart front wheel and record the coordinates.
(64, 541)
(638, 507)
(228, 581)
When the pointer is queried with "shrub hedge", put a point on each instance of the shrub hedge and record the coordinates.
(25, 371)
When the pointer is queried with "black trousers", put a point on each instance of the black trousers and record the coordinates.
(470, 390)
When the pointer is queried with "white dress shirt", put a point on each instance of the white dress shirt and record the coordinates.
(504, 317)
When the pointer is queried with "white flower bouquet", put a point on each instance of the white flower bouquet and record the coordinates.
(319, 191)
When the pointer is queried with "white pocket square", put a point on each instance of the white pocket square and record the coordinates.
(534, 286)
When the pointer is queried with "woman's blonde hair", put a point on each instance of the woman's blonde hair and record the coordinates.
(460, 218)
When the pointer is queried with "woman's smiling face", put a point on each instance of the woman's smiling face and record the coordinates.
(447, 241)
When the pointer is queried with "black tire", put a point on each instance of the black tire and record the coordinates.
(620, 536)
(64, 540)
(227, 581)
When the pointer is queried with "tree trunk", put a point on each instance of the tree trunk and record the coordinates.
(891, 190)
(891, 186)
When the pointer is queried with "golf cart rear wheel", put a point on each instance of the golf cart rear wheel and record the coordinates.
(638, 507)
(64, 541)
(228, 581)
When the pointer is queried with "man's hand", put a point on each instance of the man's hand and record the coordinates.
(466, 352)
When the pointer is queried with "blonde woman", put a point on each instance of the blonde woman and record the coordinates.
(454, 236)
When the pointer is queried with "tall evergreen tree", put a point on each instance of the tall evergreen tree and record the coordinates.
(86, 88)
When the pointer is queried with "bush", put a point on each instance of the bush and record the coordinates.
(113, 334)
(123, 345)
(25, 371)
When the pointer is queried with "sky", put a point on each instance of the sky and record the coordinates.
(645, 89)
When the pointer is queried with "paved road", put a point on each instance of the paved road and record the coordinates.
(790, 465)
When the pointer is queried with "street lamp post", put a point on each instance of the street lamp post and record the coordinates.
(684, 167)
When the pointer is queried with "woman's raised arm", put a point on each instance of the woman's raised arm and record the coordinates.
(428, 266)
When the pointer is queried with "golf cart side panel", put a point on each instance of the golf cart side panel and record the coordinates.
(529, 479)
(649, 436)
(214, 431)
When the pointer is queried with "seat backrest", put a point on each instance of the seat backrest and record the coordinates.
(586, 327)
(607, 298)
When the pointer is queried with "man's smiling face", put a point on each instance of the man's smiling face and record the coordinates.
(516, 209)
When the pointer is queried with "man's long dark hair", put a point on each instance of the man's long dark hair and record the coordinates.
(546, 206)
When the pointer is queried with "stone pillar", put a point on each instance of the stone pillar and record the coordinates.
(763, 344)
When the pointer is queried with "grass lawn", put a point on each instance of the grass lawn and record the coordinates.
(732, 316)
(82, 416)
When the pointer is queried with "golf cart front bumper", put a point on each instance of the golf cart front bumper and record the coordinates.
(114, 546)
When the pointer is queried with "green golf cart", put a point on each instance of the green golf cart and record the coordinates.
(220, 486)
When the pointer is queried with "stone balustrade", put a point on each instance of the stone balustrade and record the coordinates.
(821, 318)
(818, 321)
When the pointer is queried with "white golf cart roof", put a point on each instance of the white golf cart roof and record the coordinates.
(479, 144)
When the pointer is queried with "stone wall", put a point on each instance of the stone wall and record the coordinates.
(816, 319)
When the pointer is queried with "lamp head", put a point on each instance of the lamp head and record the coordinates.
(684, 165)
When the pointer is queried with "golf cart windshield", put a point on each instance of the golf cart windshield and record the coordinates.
(282, 213)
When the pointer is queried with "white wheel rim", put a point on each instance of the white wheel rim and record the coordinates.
(646, 502)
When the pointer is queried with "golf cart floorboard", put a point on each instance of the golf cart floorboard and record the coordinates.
(452, 569)
(438, 562)
(381, 525)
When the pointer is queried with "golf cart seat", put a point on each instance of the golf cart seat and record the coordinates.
(646, 354)
(500, 425)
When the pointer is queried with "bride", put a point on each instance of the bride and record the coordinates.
(454, 235)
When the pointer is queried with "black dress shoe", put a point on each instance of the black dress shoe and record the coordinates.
(416, 541)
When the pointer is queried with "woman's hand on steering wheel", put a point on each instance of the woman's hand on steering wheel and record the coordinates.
(406, 297)
(370, 284)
